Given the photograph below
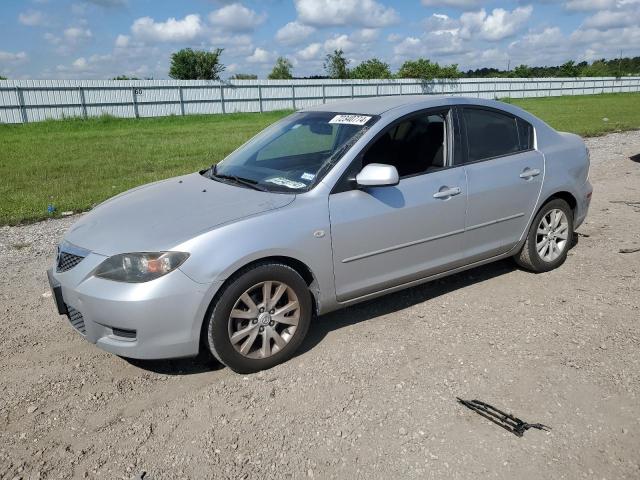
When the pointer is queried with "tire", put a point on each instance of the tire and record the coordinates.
(529, 256)
(256, 328)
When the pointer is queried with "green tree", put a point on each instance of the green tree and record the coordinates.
(336, 65)
(425, 69)
(188, 64)
(448, 71)
(569, 69)
(2, 78)
(522, 71)
(125, 77)
(372, 68)
(281, 70)
(599, 68)
(244, 76)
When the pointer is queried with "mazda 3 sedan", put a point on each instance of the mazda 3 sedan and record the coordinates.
(330, 206)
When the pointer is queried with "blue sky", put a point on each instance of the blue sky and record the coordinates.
(87, 39)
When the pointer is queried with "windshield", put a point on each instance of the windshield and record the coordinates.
(293, 154)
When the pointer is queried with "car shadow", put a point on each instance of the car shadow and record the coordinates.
(178, 366)
(346, 317)
(343, 318)
(400, 300)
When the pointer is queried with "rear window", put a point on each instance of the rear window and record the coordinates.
(494, 134)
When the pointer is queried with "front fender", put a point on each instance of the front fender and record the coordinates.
(300, 231)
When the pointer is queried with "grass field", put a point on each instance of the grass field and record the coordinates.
(74, 164)
(587, 115)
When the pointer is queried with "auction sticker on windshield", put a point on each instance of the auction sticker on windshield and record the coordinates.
(285, 182)
(350, 119)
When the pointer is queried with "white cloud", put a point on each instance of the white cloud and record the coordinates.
(339, 42)
(498, 25)
(294, 33)
(453, 40)
(439, 23)
(493, 57)
(547, 46)
(548, 37)
(122, 41)
(33, 18)
(463, 4)
(234, 45)
(365, 35)
(587, 5)
(128, 62)
(236, 18)
(77, 34)
(310, 52)
(501, 23)
(606, 19)
(187, 29)
(550, 46)
(80, 64)
(366, 13)
(71, 39)
(432, 44)
(408, 47)
(607, 43)
(260, 55)
(13, 57)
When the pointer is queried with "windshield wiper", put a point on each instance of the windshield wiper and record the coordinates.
(247, 182)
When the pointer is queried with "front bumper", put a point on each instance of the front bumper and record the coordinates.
(153, 320)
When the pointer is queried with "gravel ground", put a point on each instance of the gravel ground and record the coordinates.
(372, 393)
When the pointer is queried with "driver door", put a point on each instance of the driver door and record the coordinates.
(388, 236)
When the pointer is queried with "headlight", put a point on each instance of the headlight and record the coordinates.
(139, 267)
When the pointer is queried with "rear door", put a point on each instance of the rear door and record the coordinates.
(504, 177)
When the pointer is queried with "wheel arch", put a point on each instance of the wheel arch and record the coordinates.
(562, 195)
(300, 267)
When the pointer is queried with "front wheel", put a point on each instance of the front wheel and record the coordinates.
(260, 319)
(549, 238)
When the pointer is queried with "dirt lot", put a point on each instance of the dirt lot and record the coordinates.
(372, 394)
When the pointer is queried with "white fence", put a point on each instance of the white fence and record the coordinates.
(23, 101)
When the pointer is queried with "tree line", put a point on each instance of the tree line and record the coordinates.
(188, 64)
(617, 67)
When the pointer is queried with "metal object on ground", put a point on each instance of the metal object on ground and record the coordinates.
(505, 420)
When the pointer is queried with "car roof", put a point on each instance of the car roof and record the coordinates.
(380, 105)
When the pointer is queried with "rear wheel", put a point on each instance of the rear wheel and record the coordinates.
(260, 319)
(549, 238)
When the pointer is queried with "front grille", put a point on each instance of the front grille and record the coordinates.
(76, 319)
(66, 261)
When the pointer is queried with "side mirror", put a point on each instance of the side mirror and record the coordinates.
(378, 175)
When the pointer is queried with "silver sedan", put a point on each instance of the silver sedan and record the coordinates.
(330, 206)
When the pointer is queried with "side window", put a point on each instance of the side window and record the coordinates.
(493, 134)
(525, 132)
(414, 145)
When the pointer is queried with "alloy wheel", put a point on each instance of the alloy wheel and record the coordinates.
(552, 235)
(264, 319)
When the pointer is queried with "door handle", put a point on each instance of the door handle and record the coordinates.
(528, 173)
(446, 192)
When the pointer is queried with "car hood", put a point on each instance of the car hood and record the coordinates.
(161, 215)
